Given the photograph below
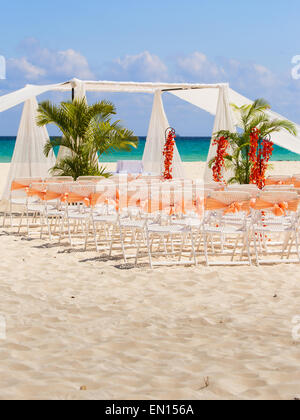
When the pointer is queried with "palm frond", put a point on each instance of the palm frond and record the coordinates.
(87, 131)
(273, 126)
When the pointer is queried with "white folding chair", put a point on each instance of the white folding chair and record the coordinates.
(54, 211)
(253, 190)
(90, 178)
(279, 180)
(276, 234)
(105, 214)
(231, 229)
(174, 242)
(57, 179)
(77, 212)
(18, 199)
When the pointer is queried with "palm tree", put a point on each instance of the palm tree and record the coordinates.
(88, 132)
(250, 117)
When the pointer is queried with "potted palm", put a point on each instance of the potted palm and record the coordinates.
(249, 150)
(88, 133)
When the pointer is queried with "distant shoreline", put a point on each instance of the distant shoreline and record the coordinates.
(191, 149)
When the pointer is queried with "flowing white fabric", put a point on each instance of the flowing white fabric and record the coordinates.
(15, 98)
(153, 159)
(206, 98)
(80, 89)
(282, 138)
(138, 87)
(223, 121)
(18, 97)
(29, 159)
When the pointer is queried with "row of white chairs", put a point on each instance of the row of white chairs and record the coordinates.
(247, 235)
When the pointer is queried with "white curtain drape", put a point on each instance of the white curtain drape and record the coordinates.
(29, 159)
(282, 138)
(80, 89)
(22, 95)
(153, 159)
(223, 121)
(206, 98)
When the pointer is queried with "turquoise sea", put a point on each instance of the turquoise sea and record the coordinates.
(191, 149)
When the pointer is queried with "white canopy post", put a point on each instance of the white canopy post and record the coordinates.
(153, 159)
(80, 89)
(29, 159)
(223, 121)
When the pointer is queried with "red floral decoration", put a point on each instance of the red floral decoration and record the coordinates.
(219, 163)
(254, 138)
(169, 154)
(259, 156)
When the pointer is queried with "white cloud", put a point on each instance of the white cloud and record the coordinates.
(42, 63)
(141, 67)
(197, 66)
(22, 67)
(71, 62)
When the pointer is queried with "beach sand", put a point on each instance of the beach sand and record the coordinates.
(76, 320)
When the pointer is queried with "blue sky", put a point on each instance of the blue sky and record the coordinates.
(248, 44)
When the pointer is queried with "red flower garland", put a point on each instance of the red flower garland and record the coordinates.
(254, 138)
(219, 163)
(259, 158)
(169, 154)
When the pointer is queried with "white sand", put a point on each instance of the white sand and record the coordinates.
(76, 320)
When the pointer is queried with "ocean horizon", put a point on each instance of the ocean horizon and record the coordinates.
(191, 149)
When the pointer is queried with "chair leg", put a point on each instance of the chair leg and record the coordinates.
(181, 248)
(49, 228)
(69, 231)
(234, 249)
(149, 250)
(87, 229)
(27, 215)
(199, 241)
(205, 248)
(42, 231)
(122, 238)
(212, 244)
(287, 245)
(10, 214)
(111, 242)
(137, 252)
(95, 235)
(248, 249)
(297, 244)
(194, 249)
(255, 248)
(20, 224)
(165, 245)
(61, 227)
